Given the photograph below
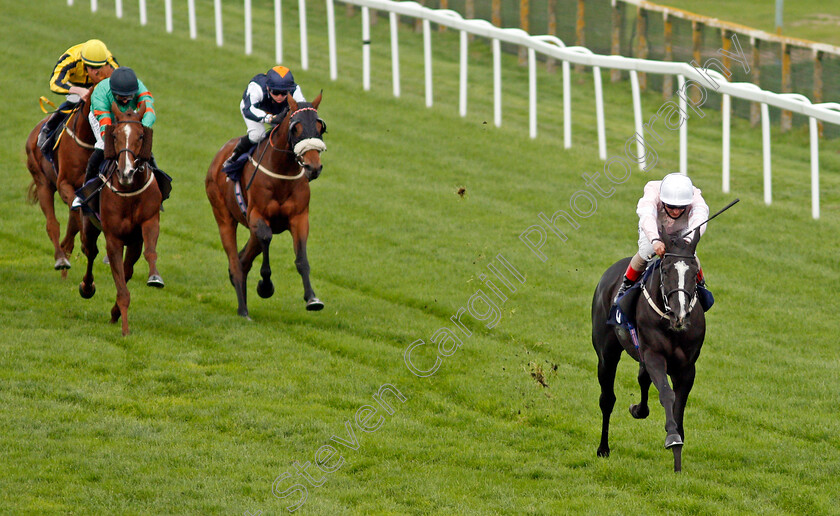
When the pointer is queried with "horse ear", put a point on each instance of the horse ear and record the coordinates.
(141, 107)
(293, 106)
(146, 149)
(317, 100)
(663, 236)
(108, 137)
(115, 110)
(695, 239)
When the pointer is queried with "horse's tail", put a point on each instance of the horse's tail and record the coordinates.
(32, 194)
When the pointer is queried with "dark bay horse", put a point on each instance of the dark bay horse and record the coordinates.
(671, 327)
(129, 210)
(274, 197)
(75, 146)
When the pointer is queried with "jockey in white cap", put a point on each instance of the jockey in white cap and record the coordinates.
(674, 204)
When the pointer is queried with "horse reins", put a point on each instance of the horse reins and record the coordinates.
(258, 163)
(134, 164)
(666, 295)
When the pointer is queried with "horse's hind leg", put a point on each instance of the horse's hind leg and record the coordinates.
(132, 254)
(641, 410)
(265, 288)
(114, 248)
(151, 231)
(46, 199)
(90, 233)
(227, 231)
(608, 357)
(299, 228)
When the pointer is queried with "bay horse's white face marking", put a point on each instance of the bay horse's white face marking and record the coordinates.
(125, 163)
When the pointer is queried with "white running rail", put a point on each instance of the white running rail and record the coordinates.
(548, 46)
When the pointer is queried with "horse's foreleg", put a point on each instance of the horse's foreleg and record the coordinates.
(65, 189)
(46, 199)
(114, 248)
(73, 225)
(608, 358)
(90, 233)
(299, 228)
(641, 410)
(656, 367)
(683, 382)
(262, 232)
(151, 231)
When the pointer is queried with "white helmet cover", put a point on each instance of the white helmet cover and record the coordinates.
(676, 190)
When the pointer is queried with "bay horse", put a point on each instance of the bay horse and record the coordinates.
(129, 210)
(71, 155)
(274, 197)
(671, 328)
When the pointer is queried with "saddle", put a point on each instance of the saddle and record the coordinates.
(89, 192)
(234, 170)
(623, 311)
(53, 136)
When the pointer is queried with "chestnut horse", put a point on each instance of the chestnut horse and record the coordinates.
(671, 328)
(129, 210)
(274, 197)
(75, 146)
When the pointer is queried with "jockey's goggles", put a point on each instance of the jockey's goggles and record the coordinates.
(672, 207)
(279, 92)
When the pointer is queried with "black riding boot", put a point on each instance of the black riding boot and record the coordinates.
(54, 120)
(625, 285)
(92, 172)
(163, 179)
(242, 146)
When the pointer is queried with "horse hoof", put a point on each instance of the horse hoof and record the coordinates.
(639, 411)
(314, 304)
(265, 289)
(673, 440)
(87, 293)
(61, 264)
(603, 452)
(155, 281)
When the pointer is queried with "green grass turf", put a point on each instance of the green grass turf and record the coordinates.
(198, 411)
(807, 19)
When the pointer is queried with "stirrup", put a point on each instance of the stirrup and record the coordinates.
(77, 203)
(230, 161)
(42, 138)
(622, 289)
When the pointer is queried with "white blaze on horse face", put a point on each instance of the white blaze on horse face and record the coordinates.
(682, 268)
(127, 163)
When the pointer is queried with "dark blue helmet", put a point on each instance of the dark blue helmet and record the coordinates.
(280, 78)
(124, 82)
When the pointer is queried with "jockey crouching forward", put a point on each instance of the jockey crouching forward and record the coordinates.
(265, 101)
(674, 204)
(127, 91)
(81, 67)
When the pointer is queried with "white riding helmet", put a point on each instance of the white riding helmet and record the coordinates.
(676, 190)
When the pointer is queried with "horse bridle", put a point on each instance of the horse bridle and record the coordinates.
(666, 295)
(134, 165)
(292, 144)
(133, 155)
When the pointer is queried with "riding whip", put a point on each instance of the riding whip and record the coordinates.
(710, 218)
